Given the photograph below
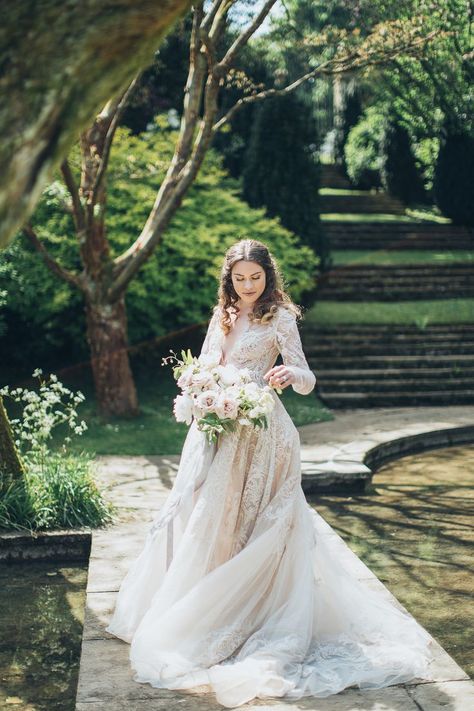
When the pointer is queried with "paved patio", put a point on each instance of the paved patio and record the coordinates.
(139, 485)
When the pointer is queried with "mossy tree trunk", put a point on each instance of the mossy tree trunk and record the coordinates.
(107, 336)
(11, 466)
(61, 63)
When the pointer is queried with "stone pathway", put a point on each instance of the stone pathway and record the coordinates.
(139, 485)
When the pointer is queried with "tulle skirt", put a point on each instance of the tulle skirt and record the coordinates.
(243, 589)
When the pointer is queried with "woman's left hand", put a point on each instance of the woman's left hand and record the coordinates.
(280, 376)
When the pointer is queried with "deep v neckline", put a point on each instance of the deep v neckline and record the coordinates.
(225, 358)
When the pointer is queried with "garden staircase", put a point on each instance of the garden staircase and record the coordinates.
(368, 366)
(407, 282)
(392, 365)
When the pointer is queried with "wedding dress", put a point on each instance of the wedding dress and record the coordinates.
(239, 589)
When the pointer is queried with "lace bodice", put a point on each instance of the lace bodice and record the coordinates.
(259, 345)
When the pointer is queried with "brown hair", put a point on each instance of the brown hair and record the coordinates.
(274, 295)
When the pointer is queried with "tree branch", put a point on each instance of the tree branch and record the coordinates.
(51, 263)
(331, 67)
(116, 115)
(77, 208)
(244, 37)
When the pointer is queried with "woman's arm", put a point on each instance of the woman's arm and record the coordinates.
(289, 344)
(210, 329)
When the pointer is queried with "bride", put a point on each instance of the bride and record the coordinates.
(239, 589)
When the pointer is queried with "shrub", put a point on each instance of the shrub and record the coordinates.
(362, 150)
(281, 169)
(399, 172)
(453, 186)
(58, 490)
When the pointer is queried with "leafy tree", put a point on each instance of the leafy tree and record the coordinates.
(59, 69)
(281, 170)
(350, 114)
(399, 171)
(362, 150)
(454, 178)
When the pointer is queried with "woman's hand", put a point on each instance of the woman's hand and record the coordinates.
(280, 376)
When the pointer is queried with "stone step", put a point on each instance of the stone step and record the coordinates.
(398, 235)
(327, 374)
(386, 384)
(385, 330)
(396, 398)
(392, 361)
(381, 349)
(333, 177)
(361, 204)
(453, 269)
(402, 294)
(397, 339)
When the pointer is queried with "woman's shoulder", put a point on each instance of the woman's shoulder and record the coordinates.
(285, 314)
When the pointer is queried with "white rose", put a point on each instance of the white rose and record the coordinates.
(186, 377)
(227, 406)
(203, 380)
(206, 401)
(183, 408)
(251, 390)
(210, 360)
(228, 374)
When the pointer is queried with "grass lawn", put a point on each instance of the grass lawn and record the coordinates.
(365, 217)
(348, 191)
(409, 256)
(155, 431)
(422, 313)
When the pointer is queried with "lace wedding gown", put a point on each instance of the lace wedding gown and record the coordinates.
(238, 589)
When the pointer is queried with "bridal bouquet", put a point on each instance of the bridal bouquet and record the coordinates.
(217, 396)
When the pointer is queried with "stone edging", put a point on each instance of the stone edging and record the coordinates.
(73, 544)
(352, 466)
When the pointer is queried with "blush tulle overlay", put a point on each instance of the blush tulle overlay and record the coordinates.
(240, 588)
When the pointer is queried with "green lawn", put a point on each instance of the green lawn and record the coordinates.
(156, 431)
(347, 191)
(408, 256)
(366, 217)
(422, 313)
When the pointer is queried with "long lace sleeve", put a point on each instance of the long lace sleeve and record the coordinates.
(289, 344)
(210, 330)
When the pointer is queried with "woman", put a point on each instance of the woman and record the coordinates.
(240, 588)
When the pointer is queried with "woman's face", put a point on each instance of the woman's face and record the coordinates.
(248, 279)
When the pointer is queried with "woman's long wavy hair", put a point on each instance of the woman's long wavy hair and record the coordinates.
(274, 294)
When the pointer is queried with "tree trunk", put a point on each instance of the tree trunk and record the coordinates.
(11, 466)
(107, 335)
(61, 67)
